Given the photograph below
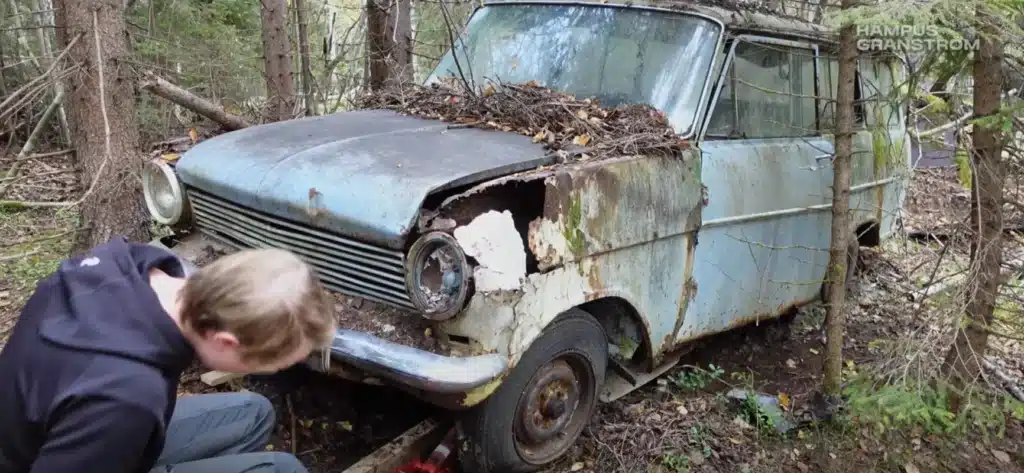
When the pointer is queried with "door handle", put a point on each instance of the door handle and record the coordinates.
(822, 157)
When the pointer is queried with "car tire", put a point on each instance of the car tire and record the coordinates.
(566, 363)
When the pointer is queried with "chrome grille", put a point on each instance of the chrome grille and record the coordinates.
(344, 265)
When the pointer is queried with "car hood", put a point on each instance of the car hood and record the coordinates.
(363, 173)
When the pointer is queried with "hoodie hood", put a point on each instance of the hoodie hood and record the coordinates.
(102, 302)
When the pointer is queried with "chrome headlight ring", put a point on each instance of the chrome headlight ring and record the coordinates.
(164, 194)
(438, 276)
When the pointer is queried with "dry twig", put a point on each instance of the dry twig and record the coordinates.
(30, 143)
(291, 414)
(106, 137)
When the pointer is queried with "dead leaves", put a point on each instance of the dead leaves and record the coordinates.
(569, 128)
(1002, 456)
(784, 402)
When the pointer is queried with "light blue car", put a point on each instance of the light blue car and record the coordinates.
(548, 287)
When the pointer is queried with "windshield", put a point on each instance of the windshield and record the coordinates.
(618, 55)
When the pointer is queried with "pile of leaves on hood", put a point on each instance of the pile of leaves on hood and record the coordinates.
(571, 129)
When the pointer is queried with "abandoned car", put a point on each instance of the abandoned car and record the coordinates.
(537, 288)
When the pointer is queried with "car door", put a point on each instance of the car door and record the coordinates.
(763, 243)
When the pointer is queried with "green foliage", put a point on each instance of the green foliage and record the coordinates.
(924, 406)
(676, 463)
(46, 254)
(935, 105)
(432, 35)
(756, 416)
(963, 167)
(1008, 308)
(211, 48)
(1014, 407)
(1001, 121)
(697, 378)
(700, 438)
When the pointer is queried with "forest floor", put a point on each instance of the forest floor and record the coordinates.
(683, 422)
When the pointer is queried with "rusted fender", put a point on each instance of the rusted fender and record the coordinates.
(620, 228)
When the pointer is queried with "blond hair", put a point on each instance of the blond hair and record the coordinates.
(269, 299)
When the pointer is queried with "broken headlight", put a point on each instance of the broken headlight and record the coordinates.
(164, 194)
(438, 276)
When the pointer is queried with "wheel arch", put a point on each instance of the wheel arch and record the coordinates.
(868, 233)
(621, 319)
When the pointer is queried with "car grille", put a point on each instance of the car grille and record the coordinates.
(344, 265)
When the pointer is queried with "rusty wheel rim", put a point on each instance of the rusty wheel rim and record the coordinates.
(552, 409)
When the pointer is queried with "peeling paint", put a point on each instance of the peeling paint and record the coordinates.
(623, 228)
(491, 238)
(547, 242)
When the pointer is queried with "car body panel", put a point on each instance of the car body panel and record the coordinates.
(362, 173)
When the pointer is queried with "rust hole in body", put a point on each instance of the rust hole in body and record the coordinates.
(523, 199)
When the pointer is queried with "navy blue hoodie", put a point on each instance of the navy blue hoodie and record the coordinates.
(90, 372)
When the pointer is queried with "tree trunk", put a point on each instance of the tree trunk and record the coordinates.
(277, 58)
(304, 59)
(377, 44)
(964, 359)
(413, 27)
(400, 31)
(389, 40)
(101, 111)
(841, 231)
(44, 21)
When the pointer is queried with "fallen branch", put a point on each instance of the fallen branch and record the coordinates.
(162, 88)
(30, 143)
(53, 154)
(39, 239)
(941, 128)
(1008, 383)
(18, 256)
(13, 180)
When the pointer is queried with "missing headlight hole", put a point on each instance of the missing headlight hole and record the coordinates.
(437, 276)
(440, 276)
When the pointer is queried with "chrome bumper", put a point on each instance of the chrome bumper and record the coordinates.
(401, 364)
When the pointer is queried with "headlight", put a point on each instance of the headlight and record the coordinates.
(165, 198)
(437, 275)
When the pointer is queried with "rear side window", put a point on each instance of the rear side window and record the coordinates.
(829, 78)
(768, 92)
(880, 95)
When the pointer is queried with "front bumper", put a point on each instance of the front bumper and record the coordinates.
(407, 366)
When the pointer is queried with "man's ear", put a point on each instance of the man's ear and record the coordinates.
(224, 339)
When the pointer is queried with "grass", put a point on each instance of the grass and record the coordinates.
(27, 255)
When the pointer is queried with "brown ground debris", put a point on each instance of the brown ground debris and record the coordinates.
(570, 128)
(389, 323)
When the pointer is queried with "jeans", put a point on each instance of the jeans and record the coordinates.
(223, 433)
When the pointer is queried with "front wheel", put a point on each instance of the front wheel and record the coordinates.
(539, 411)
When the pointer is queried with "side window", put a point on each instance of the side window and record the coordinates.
(768, 93)
(878, 90)
(829, 87)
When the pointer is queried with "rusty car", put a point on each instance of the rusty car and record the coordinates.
(549, 287)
